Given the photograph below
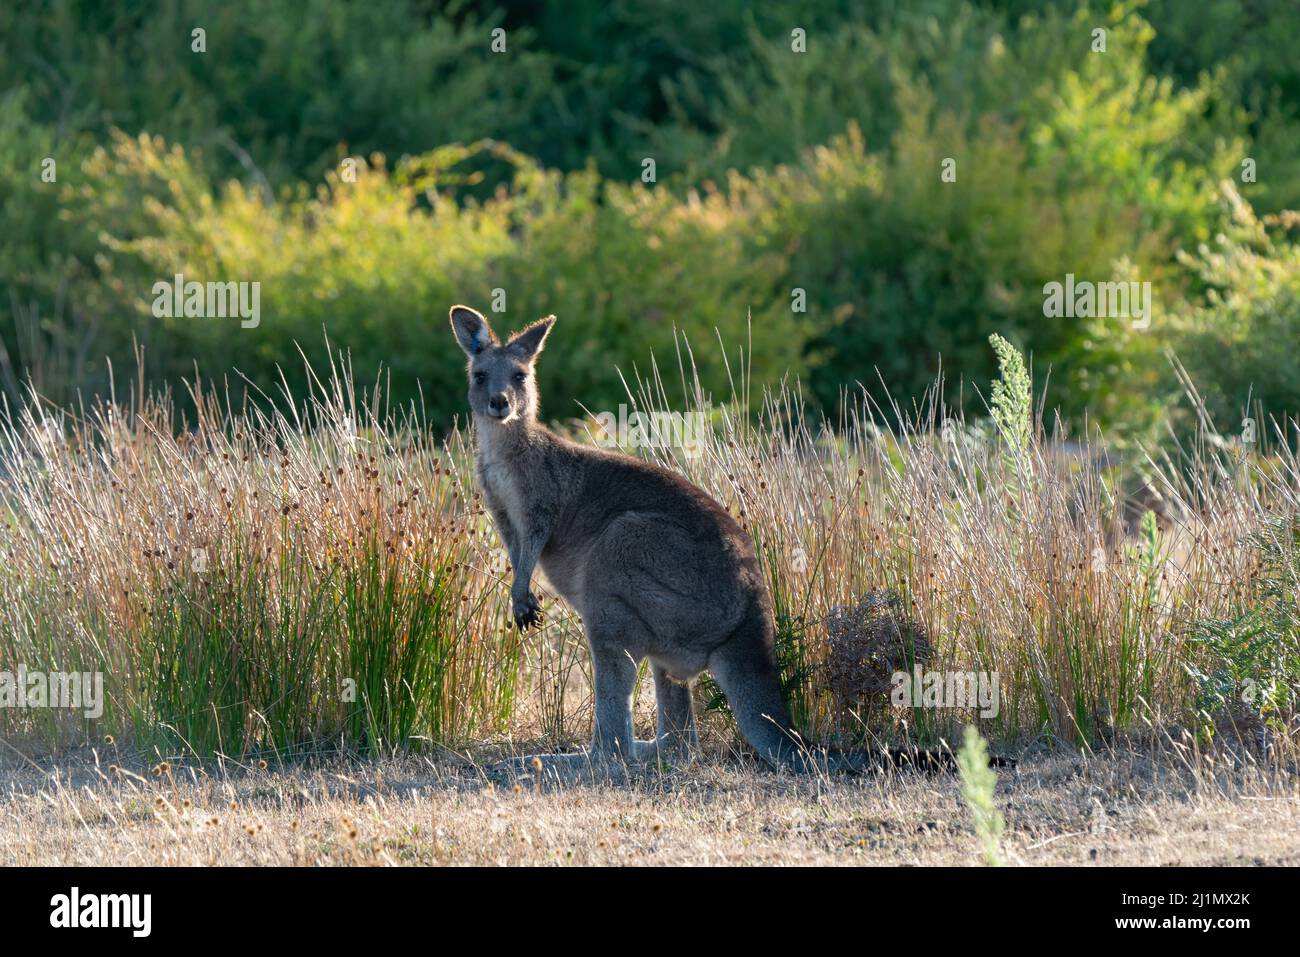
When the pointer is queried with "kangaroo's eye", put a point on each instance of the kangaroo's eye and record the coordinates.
(520, 377)
(480, 378)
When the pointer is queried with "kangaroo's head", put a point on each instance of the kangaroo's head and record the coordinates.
(502, 386)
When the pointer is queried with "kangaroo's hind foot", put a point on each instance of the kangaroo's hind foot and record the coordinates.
(584, 765)
(559, 767)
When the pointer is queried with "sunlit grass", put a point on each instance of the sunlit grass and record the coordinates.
(285, 575)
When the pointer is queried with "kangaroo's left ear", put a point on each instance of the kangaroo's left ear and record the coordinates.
(528, 342)
(472, 330)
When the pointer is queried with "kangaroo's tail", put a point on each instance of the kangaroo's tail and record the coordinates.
(930, 760)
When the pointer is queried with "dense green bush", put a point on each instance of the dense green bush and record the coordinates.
(904, 269)
(280, 90)
(373, 266)
(1239, 340)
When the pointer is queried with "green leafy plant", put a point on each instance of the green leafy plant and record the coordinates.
(1248, 666)
(978, 781)
(1012, 399)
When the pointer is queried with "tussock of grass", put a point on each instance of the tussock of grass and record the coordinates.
(1012, 549)
(254, 579)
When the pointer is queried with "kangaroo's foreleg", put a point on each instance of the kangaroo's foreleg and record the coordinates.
(529, 542)
(524, 604)
(506, 531)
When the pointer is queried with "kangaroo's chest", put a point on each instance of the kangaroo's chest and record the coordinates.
(502, 488)
(508, 492)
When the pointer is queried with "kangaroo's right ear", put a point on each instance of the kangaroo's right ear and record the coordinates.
(472, 330)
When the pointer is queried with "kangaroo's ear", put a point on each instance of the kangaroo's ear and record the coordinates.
(472, 330)
(528, 342)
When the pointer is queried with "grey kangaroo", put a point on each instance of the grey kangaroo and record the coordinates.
(655, 567)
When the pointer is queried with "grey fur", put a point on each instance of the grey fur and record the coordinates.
(655, 567)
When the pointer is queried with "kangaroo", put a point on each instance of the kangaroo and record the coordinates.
(655, 568)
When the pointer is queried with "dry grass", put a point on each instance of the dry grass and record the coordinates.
(1115, 809)
(344, 546)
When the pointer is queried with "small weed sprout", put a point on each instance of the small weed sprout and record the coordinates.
(977, 783)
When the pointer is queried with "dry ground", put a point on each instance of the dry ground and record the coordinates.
(1059, 809)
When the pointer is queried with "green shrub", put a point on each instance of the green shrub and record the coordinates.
(48, 336)
(278, 91)
(1247, 669)
(1011, 398)
(1067, 161)
(1236, 339)
(374, 265)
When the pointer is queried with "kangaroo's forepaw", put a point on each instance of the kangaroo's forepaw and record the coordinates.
(527, 611)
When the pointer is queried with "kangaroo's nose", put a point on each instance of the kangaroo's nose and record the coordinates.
(499, 404)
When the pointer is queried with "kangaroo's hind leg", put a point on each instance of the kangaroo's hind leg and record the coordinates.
(675, 732)
(611, 737)
(615, 674)
(614, 667)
